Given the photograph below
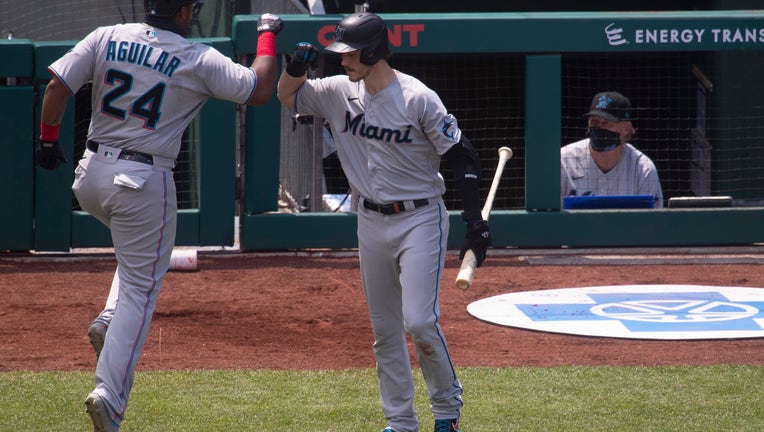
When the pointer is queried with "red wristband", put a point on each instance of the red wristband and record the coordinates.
(48, 132)
(266, 44)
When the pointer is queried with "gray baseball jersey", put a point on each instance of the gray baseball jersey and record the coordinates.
(149, 84)
(389, 143)
(635, 174)
(390, 146)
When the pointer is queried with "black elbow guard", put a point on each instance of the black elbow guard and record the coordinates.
(464, 161)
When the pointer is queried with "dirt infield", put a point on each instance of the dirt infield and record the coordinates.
(255, 311)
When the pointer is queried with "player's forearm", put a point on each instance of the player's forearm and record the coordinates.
(266, 68)
(265, 63)
(296, 72)
(54, 103)
(287, 88)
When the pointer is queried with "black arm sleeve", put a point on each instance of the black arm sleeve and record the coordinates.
(464, 162)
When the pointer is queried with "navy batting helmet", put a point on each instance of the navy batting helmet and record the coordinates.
(168, 8)
(362, 31)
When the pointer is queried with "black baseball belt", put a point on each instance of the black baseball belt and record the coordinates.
(128, 155)
(394, 207)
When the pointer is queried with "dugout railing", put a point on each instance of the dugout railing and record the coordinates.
(39, 213)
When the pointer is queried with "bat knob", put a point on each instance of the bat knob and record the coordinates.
(506, 150)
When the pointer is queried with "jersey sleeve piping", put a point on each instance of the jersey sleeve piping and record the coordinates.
(61, 80)
(296, 96)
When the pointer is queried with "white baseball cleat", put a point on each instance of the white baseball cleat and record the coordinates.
(97, 335)
(96, 407)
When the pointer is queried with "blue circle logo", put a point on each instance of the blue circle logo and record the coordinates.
(632, 311)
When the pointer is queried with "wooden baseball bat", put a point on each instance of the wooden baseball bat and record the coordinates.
(469, 262)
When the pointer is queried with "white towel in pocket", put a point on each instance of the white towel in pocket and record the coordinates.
(131, 181)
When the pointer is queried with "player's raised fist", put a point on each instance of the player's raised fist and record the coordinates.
(306, 53)
(305, 56)
(269, 22)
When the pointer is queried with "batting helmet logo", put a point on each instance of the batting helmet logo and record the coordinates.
(339, 34)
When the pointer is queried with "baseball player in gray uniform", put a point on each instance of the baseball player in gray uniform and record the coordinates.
(605, 164)
(149, 82)
(391, 132)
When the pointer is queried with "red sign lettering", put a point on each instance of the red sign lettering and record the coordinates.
(325, 34)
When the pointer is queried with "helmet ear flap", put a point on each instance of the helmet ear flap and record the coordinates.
(368, 57)
(377, 49)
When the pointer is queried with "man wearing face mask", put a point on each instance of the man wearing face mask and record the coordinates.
(604, 163)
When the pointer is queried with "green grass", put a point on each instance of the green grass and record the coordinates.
(707, 398)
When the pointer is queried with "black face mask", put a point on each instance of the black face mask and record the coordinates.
(603, 140)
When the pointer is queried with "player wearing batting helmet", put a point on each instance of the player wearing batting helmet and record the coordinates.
(148, 84)
(391, 132)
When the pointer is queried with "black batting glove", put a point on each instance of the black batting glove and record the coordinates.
(305, 56)
(477, 238)
(49, 154)
(269, 22)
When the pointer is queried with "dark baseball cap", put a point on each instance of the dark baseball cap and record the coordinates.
(612, 106)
